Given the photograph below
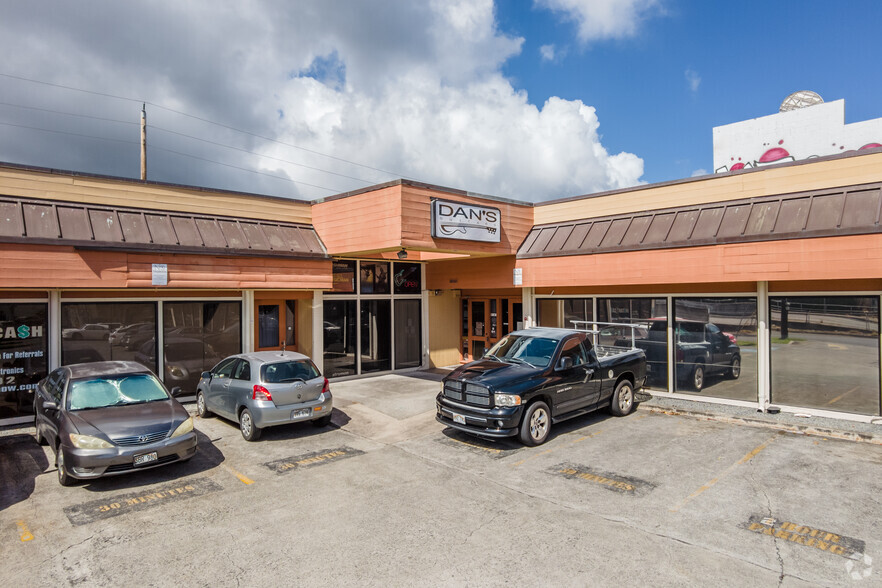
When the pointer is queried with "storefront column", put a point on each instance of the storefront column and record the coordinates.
(318, 332)
(763, 347)
(54, 327)
(528, 299)
(247, 320)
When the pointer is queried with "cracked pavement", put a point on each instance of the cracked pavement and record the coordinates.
(651, 498)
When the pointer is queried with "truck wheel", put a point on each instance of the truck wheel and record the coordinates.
(735, 368)
(536, 424)
(623, 399)
(698, 377)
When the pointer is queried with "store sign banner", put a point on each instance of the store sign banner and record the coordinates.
(159, 274)
(23, 355)
(455, 220)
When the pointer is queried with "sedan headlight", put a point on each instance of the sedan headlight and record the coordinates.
(507, 399)
(184, 428)
(88, 442)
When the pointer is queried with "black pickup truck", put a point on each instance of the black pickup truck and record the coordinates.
(536, 377)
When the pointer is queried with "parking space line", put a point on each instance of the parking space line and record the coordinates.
(23, 532)
(242, 477)
(753, 453)
(843, 395)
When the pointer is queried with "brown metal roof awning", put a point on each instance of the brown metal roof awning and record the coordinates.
(854, 210)
(86, 226)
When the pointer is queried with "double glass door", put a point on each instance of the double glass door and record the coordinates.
(485, 321)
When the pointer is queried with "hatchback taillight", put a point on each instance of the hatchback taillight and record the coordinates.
(261, 393)
(326, 389)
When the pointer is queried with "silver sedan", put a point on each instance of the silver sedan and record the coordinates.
(264, 389)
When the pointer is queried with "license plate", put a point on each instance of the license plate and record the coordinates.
(299, 413)
(458, 418)
(145, 458)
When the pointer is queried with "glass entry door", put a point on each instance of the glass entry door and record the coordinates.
(478, 328)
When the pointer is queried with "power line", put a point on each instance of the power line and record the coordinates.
(168, 150)
(154, 127)
(205, 120)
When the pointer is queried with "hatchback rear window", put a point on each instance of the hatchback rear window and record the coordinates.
(288, 371)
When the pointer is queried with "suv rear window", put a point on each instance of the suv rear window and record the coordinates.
(288, 371)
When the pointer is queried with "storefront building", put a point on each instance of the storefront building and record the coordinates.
(753, 287)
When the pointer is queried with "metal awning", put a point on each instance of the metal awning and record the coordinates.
(854, 210)
(87, 226)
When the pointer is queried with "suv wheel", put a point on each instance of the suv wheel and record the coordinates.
(536, 424)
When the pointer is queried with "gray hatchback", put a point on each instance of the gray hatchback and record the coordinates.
(110, 417)
(263, 389)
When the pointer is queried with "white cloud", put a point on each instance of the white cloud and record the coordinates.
(410, 87)
(699, 172)
(547, 52)
(603, 19)
(693, 79)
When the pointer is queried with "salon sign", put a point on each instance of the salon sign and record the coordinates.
(455, 220)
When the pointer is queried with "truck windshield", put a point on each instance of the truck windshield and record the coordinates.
(536, 351)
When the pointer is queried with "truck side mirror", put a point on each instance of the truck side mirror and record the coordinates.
(565, 363)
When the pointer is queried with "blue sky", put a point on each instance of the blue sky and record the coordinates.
(748, 56)
(532, 100)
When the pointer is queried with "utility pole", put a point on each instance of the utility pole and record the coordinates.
(143, 141)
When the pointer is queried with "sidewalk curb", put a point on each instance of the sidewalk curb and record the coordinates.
(807, 430)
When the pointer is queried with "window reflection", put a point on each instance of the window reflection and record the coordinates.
(716, 351)
(561, 312)
(408, 344)
(825, 352)
(103, 331)
(196, 335)
(376, 335)
(650, 314)
(340, 337)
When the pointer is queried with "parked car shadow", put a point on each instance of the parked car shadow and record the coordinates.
(207, 458)
(301, 430)
(21, 461)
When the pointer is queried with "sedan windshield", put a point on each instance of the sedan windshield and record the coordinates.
(115, 391)
(535, 351)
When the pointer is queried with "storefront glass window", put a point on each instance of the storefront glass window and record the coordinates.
(197, 335)
(716, 351)
(376, 335)
(24, 336)
(343, 272)
(340, 337)
(651, 334)
(408, 344)
(560, 312)
(101, 331)
(374, 277)
(825, 352)
(407, 278)
(268, 325)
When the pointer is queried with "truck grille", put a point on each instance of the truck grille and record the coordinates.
(468, 393)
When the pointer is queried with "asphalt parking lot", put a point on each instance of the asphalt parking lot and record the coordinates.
(387, 496)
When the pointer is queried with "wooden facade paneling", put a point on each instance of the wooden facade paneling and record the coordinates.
(770, 181)
(366, 222)
(36, 266)
(122, 192)
(833, 258)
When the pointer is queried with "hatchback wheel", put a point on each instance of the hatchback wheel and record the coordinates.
(246, 424)
(201, 407)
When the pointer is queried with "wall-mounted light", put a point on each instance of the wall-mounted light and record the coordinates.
(402, 254)
(437, 292)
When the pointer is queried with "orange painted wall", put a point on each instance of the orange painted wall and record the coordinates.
(477, 273)
(832, 258)
(37, 266)
(363, 222)
(416, 228)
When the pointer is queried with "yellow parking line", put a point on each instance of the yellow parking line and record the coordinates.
(242, 477)
(753, 453)
(841, 396)
(23, 532)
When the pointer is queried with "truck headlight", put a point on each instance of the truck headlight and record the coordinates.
(88, 442)
(507, 399)
(184, 428)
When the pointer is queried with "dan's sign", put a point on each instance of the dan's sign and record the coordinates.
(455, 220)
